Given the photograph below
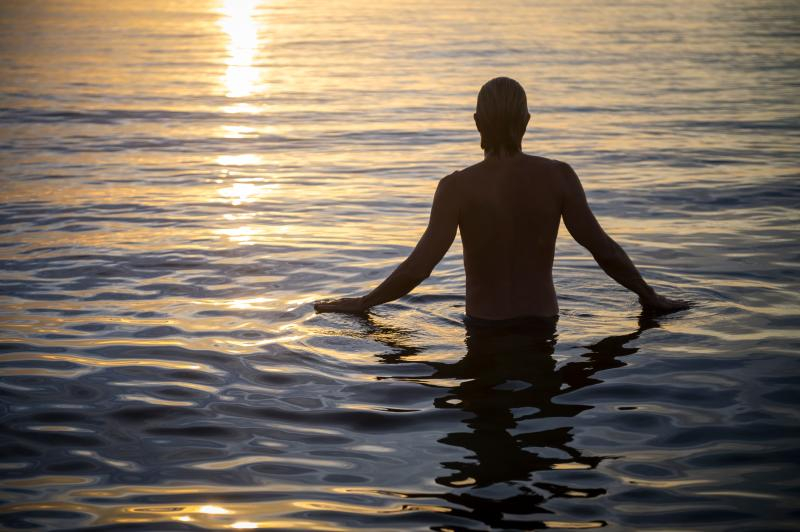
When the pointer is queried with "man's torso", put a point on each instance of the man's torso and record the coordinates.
(509, 214)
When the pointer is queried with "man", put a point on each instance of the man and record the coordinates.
(508, 208)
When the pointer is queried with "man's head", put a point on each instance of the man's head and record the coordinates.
(502, 116)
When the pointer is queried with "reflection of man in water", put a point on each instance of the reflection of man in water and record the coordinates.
(508, 208)
(519, 418)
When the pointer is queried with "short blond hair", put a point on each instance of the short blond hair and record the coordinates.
(502, 112)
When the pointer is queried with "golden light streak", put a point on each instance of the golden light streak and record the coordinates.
(241, 76)
(213, 510)
(245, 460)
(241, 235)
(241, 192)
(244, 159)
(572, 524)
(117, 362)
(238, 132)
(252, 303)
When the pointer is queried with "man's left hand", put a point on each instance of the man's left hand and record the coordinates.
(350, 305)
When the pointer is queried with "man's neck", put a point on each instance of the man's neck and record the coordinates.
(503, 156)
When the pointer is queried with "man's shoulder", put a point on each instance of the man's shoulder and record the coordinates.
(546, 162)
(452, 179)
(474, 171)
(558, 171)
(466, 172)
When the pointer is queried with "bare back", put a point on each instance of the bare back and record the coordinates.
(509, 214)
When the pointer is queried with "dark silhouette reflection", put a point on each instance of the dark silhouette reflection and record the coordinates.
(509, 383)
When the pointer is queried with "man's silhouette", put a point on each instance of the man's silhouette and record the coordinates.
(508, 208)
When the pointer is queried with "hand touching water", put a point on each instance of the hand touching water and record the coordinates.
(658, 304)
(350, 305)
(654, 304)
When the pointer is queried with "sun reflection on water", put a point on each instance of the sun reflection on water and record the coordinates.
(241, 192)
(241, 76)
(242, 79)
(244, 159)
(238, 132)
(214, 510)
(251, 303)
(241, 235)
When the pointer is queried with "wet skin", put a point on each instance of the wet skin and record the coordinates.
(508, 209)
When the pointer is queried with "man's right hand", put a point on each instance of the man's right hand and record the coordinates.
(349, 305)
(658, 304)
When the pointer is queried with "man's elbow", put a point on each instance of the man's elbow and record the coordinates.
(603, 255)
(415, 273)
(605, 251)
(417, 276)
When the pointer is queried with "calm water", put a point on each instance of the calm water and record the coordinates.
(179, 184)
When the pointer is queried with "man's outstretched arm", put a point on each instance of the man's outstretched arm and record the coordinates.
(610, 256)
(417, 267)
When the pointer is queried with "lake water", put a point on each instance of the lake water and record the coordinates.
(180, 183)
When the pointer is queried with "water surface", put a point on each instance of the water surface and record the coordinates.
(179, 184)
